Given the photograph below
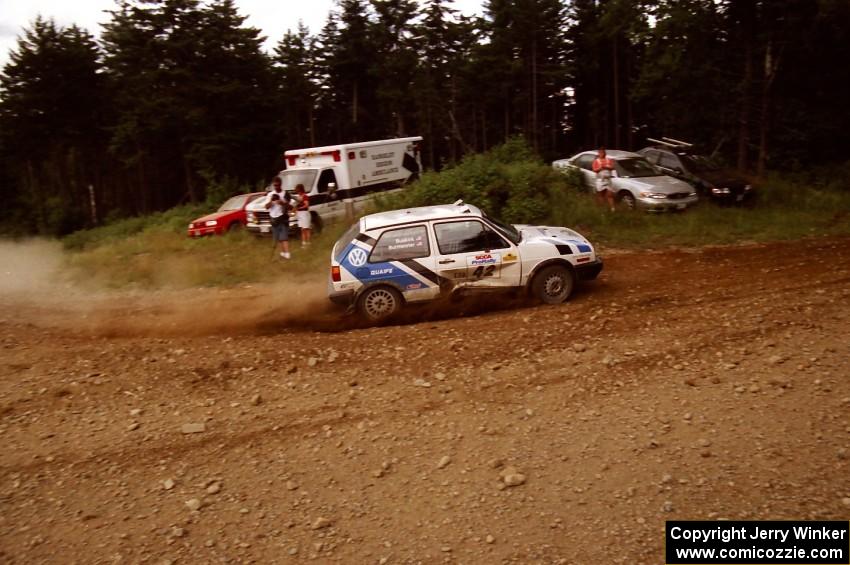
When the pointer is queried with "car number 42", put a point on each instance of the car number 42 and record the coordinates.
(483, 271)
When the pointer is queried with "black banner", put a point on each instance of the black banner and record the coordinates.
(758, 542)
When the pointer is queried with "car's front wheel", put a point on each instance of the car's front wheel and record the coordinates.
(627, 200)
(379, 303)
(553, 284)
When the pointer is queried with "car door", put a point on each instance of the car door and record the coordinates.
(584, 163)
(402, 256)
(327, 202)
(471, 254)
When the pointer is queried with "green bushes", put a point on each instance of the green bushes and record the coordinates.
(509, 181)
(174, 221)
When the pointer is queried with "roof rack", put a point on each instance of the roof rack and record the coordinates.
(670, 142)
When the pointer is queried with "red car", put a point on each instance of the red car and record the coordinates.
(231, 215)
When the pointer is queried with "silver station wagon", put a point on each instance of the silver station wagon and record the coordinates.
(636, 182)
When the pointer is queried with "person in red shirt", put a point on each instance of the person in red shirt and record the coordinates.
(604, 167)
(302, 213)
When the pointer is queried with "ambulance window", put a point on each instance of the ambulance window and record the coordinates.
(401, 244)
(326, 178)
(467, 237)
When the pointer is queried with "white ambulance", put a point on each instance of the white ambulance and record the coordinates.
(337, 177)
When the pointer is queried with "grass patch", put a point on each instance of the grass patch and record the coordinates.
(509, 182)
(781, 212)
(155, 252)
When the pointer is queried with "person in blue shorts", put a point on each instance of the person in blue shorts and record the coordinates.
(278, 207)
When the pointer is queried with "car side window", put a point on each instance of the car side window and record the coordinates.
(669, 161)
(585, 162)
(401, 244)
(467, 237)
(651, 156)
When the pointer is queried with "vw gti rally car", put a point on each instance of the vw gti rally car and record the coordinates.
(390, 259)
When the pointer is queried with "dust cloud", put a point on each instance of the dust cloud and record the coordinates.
(29, 267)
(34, 289)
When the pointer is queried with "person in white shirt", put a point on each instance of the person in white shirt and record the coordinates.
(278, 207)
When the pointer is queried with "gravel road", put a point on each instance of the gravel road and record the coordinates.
(206, 427)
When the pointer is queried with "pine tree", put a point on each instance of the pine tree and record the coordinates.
(50, 125)
(434, 76)
(349, 58)
(194, 98)
(395, 67)
(297, 87)
(233, 89)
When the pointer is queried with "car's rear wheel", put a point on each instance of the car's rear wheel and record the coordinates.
(379, 303)
(553, 285)
(626, 199)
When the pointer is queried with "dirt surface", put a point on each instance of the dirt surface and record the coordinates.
(683, 384)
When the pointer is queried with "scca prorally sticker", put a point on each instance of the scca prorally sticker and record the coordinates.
(483, 265)
(357, 257)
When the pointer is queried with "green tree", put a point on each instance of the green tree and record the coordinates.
(50, 124)
(685, 66)
(395, 64)
(297, 86)
(194, 99)
(435, 79)
(348, 54)
(523, 66)
(233, 89)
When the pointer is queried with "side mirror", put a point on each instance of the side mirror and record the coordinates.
(331, 187)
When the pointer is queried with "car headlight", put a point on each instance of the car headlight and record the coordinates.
(720, 191)
(653, 195)
(210, 223)
(191, 226)
(692, 194)
(251, 217)
(748, 187)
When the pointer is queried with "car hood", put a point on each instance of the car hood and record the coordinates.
(533, 236)
(661, 183)
(213, 216)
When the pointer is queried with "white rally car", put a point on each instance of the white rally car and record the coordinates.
(390, 259)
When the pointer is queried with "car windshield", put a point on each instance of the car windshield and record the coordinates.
(235, 203)
(506, 230)
(635, 167)
(290, 179)
(699, 163)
